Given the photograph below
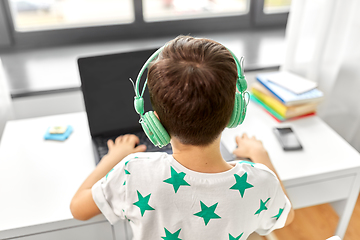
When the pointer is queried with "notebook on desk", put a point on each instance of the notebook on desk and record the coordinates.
(109, 99)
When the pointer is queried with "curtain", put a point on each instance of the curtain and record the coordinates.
(323, 45)
(5, 102)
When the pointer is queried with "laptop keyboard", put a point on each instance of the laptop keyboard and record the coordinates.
(101, 144)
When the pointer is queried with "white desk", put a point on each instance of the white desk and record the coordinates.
(38, 178)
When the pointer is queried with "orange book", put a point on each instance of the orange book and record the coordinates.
(285, 111)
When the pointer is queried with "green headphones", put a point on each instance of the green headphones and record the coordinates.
(151, 125)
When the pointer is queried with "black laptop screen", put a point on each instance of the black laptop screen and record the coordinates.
(108, 93)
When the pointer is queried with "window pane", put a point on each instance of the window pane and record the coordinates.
(30, 15)
(276, 6)
(161, 10)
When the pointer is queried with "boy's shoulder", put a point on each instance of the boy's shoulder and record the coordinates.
(146, 157)
(257, 166)
(147, 163)
(142, 159)
(257, 172)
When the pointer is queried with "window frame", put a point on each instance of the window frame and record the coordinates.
(262, 19)
(5, 39)
(138, 29)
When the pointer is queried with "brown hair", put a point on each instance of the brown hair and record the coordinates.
(192, 88)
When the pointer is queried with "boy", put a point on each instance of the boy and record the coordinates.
(194, 193)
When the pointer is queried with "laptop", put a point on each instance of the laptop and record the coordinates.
(109, 99)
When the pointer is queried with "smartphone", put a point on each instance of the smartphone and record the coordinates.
(287, 139)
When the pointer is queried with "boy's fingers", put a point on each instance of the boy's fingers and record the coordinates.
(126, 137)
(140, 148)
(110, 143)
(237, 140)
(237, 152)
(134, 138)
(118, 139)
(131, 138)
(245, 136)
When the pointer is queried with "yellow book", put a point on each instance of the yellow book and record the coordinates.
(285, 111)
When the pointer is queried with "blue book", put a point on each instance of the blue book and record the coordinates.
(287, 97)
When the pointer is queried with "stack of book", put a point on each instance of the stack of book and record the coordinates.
(286, 96)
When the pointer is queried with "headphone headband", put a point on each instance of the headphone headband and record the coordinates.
(144, 67)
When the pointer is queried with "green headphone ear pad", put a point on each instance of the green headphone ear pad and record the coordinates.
(148, 131)
(243, 109)
(155, 130)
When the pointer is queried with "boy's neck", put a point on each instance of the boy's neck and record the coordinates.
(206, 159)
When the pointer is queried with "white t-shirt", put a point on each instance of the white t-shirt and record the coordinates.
(164, 200)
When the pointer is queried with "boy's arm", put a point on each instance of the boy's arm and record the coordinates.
(82, 205)
(254, 149)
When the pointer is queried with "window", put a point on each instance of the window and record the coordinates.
(163, 10)
(34, 15)
(271, 12)
(276, 6)
(41, 23)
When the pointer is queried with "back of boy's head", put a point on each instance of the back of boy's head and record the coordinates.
(192, 88)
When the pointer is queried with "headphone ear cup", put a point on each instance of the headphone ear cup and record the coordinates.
(243, 108)
(235, 116)
(154, 130)
(238, 114)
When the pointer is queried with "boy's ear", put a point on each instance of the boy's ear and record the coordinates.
(156, 115)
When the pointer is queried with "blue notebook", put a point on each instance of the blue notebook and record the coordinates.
(287, 97)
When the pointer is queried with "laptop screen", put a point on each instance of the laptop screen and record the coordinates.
(108, 93)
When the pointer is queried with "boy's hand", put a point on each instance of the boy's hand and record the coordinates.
(123, 146)
(248, 147)
(82, 205)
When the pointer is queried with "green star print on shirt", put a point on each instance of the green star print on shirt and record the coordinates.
(248, 162)
(279, 214)
(262, 206)
(171, 236)
(207, 213)
(143, 203)
(235, 238)
(241, 184)
(126, 171)
(177, 179)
